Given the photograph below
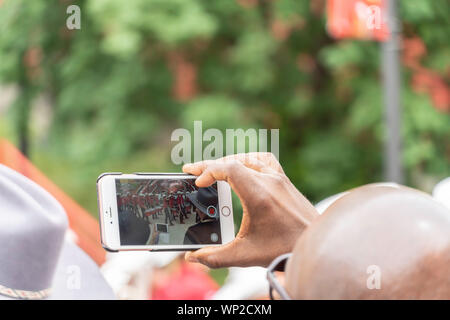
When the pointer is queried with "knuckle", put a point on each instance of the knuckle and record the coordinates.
(270, 156)
(234, 165)
(207, 173)
(207, 163)
(278, 180)
(273, 159)
(211, 262)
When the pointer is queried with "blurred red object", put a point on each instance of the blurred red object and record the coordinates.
(425, 80)
(187, 282)
(81, 222)
(185, 76)
(248, 3)
(358, 19)
(280, 29)
(413, 50)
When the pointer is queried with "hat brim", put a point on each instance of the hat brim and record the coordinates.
(197, 204)
(77, 277)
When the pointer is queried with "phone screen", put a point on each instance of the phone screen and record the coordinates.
(167, 212)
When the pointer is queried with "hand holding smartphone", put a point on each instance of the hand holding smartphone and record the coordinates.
(162, 212)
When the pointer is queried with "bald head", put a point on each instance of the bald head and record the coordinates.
(376, 242)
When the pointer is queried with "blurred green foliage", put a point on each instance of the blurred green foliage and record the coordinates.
(110, 86)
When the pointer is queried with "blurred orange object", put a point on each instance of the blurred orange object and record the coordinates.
(187, 282)
(80, 221)
(359, 19)
(185, 75)
(425, 80)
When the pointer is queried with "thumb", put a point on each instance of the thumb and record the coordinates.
(227, 255)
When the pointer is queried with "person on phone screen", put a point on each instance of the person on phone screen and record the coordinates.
(132, 229)
(167, 210)
(207, 230)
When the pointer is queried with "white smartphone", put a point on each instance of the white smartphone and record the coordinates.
(162, 212)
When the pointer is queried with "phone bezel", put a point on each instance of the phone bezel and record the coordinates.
(108, 212)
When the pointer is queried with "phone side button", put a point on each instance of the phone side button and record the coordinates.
(226, 211)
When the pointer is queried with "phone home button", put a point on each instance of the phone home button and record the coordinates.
(226, 211)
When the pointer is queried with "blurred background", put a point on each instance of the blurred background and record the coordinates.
(108, 96)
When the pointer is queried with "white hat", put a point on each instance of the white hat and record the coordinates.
(37, 262)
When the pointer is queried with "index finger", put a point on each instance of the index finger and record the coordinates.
(259, 161)
(266, 160)
(240, 178)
